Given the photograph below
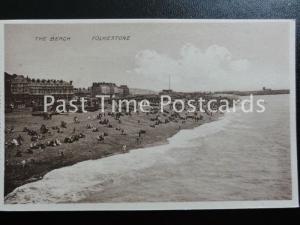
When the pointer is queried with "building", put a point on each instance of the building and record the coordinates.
(125, 90)
(8, 94)
(83, 92)
(166, 92)
(266, 89)
(59, 89)
(19, 87)
(22, 91)
(25, 91)
(104, 88)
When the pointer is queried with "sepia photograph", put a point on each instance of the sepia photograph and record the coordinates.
(148, 114)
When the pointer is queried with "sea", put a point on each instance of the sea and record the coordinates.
(241, 156)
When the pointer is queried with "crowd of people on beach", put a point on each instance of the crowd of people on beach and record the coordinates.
(38, 137)
(41, 139)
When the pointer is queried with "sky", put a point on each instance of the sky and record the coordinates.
(203, 56)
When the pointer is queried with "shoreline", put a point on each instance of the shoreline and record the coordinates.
(16, 175)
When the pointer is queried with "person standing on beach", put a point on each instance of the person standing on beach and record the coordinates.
(124, 148)
(61, 153)
(23, 163)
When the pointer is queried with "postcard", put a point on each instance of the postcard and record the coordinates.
(147, 114)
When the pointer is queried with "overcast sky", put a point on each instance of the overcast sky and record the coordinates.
(197, 56)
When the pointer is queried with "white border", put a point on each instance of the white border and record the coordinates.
(294, 202)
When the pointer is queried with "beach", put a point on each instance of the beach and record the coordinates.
(238, 157)
(40, 161)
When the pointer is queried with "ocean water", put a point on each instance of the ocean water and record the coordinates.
(242, 156)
